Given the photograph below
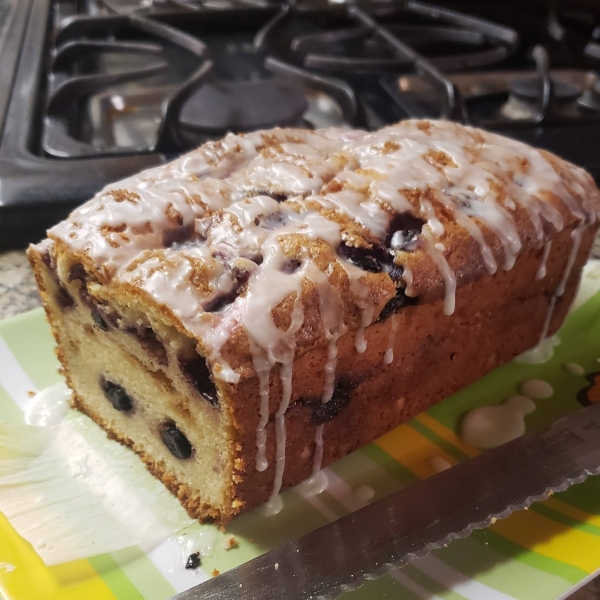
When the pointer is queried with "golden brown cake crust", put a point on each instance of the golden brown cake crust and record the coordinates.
(335, 282)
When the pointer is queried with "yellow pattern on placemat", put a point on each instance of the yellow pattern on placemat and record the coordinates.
(535, 532)
(76, 580)
(572, 512)
(446, 434)
(413, 450)
(549, 538)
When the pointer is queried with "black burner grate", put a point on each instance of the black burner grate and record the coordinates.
(160, 7)
(104, 88)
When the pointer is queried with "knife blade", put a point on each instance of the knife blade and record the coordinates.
(426, 515)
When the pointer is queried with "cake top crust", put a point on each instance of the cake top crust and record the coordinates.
(291, 236)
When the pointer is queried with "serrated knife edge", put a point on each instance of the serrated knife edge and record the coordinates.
(442, 543)
(422, 517)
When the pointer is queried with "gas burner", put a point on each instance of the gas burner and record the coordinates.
(530, 89)
(116, 86)
(503, 100)
(356, 49)
(525, 96)
(139, 88)
(543, 98)
(161, 7)
(345, 45)
(82, 68)
(590, 99)
(243, 106)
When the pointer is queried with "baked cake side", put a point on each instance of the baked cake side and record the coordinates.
(268, 303)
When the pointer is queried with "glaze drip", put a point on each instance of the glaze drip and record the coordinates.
(407, 278)
(541, 272)
(388, 357)
(576, 236)
(447, 274)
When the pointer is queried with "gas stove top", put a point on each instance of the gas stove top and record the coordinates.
(93, 90)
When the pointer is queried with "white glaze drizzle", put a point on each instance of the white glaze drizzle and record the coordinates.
(576, 236)
(318, 458)
(541, 272)
(434, 223)
(499, 220)
(547, 319)
(362, 295)
(262, 368)
(331, 310)
(407, 278)
(271, 345)
(475, 232)
(388, 357)
(431, 232)
(357, 207)
(264, 358)
(526, 191)
(280, 431)
(447, 274)
(332, 317)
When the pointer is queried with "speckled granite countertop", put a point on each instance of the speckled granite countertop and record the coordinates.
(18, 293)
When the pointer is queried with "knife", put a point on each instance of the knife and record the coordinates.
(426, 515)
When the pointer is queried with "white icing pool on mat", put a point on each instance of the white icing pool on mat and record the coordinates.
(313, 486)
(541, 353)
(49, 406)
(7, 567)
(203, 541)
(273, 507)
(574, 369)
(438, 463)
(491, 426)
(536, 389)
(364, 492)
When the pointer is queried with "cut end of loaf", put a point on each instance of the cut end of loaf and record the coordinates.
(144, 383)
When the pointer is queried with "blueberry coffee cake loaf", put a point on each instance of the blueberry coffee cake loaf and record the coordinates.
(268, 303)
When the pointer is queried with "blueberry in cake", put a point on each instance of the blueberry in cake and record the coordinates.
(268, 303)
